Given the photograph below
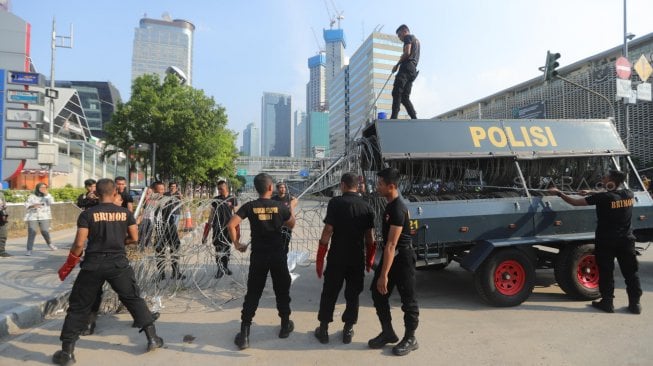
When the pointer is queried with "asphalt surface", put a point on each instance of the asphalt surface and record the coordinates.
(456, 328)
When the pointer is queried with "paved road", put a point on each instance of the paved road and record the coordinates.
(455, 329)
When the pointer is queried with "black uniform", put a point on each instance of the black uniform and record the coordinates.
(404, 80)
(168, 237)
(266, 217)
(402, 271)
(614, 239)
(105, 260)
(84, 202)
(223, 208)
(126, 198)
(350, 217)
(287, 232)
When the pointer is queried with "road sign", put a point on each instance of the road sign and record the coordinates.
(624, 88)
(21, 134)
(24, 115)
(25, 78)
(24, 96)
(643, 68)
(623, 68)
(644, 91)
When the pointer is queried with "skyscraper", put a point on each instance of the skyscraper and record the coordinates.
(276, 125)
(316, 86)
(334, 40)
(355, 88)
(251, 141)
(301, 134)
(159, 44)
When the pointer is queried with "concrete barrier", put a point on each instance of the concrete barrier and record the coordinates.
(64, 216)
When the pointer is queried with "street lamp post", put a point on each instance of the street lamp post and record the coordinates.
(626, 37)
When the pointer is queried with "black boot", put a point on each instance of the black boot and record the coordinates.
(176, 273)
(605, 305)
(407, 344)
(153, 340)
(386, 336)
(225, 265)
(634, 306)
(347, 333)
(91, 324)
(65, 356)
(242, 338)
(287, 326)
(322, 332)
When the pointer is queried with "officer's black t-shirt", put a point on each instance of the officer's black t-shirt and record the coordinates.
(396, 214)
(414, 48)
(266, 217)
(126, 198)
(223, 211)
(614, 210)
(107, 227)
(350, 217)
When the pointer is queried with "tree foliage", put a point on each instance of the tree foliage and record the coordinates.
(189, 129)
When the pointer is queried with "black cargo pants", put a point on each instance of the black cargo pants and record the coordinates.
(606, 250)
(336, 273)
(260, 263)
(402, 275)
(96, 269)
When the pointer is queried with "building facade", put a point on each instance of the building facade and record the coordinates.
(301, 134)
(316, 86)
(99, 100)
(353, 93)
(318, 134)
(276, 125)
(159, 44)
(251, 140)
(335, 45)
(557, 99)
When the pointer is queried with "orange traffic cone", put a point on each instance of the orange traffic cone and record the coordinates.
(188, 221)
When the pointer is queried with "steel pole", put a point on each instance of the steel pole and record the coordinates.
(54, 47)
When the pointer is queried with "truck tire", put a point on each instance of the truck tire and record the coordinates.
(506, 278)
(577, 273)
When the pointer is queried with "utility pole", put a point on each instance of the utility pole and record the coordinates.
(65, 42)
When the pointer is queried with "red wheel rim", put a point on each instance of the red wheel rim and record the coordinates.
(587, 271)
(509, 277)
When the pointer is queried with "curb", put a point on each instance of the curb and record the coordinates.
(26, 316)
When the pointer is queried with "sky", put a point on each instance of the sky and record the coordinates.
(242, 48)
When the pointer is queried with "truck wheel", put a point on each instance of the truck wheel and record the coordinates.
(506, 278)
(577, 273)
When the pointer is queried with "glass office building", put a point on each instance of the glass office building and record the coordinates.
(276, 125)
(99, 100)
(159, 44)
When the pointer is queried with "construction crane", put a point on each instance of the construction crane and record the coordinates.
(334, 18)
(320, 48)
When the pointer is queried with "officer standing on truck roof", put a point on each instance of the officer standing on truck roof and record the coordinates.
(407, 66)
(396, 268)
(349, 224)
(613, 239)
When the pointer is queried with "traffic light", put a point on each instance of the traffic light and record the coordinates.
(550, 66)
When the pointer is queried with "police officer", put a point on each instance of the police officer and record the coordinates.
(266, 218)
(88, 199)
(396, 268)
(106, 227)
(126, 199)
(168, 237)
(289, 201)
(613, 238)
(222, 209)
(349, 221)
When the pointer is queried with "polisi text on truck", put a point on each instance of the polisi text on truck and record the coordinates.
(518, 137)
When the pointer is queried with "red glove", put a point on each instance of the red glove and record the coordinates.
(369, 259)
(67, 267)
(319, 261)
(238, 232)
(205, 234)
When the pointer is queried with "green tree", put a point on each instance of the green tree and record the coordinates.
(189, 129)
